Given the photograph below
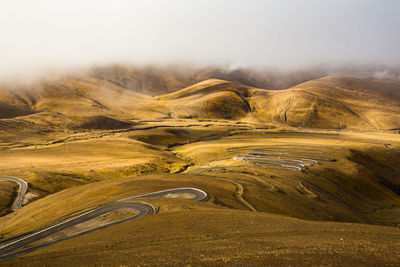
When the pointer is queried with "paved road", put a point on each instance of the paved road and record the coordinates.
(8, 249)
(198, 194)
(23, 186)
(290, 157)
(272, 140)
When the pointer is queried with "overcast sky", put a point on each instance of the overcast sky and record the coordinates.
(37, 34)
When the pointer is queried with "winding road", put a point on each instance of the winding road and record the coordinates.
(23, 186)
(198, 194)
(288, 157)
(10, 247)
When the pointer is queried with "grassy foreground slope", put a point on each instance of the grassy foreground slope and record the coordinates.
(62, 205)
(225, 237)
(216, 232)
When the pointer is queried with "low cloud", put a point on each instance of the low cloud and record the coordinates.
(49, 35)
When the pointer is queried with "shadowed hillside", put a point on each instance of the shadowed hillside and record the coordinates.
(14, 104)
(213, 99)
(153, 80)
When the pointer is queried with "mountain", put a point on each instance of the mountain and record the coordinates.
(271, 162)
(158, 80)
(332, 102)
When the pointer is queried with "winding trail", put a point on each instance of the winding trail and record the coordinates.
(239, 193)
(11, 246)
(239, 188)
(23, 186)
(306, 191)
(208, 169)
(270, 187)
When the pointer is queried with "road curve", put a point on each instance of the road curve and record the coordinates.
(9, 249)
(198, 194)
(23, 186)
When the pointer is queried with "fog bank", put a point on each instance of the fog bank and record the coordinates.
(287, 34)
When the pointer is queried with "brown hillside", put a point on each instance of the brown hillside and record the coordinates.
(333, 102)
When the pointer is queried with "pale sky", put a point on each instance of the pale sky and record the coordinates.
(41, 34)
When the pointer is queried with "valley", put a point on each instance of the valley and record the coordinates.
(307, 173)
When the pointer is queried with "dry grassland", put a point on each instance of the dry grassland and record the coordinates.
(302, 176)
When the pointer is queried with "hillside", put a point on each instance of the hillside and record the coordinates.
(334, 102)
(289, 170)
(76, 101)
(210, 99)
(201, 238)
(72, 102)
(329, 103)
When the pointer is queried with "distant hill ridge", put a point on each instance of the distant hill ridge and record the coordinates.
(332, 102)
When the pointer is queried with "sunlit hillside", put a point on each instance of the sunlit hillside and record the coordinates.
(322, 154)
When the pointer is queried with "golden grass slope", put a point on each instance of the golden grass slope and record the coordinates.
(333, 102)
(82, 96)
(61, 205)
(329, 103)
(50, 168)
(216, 232)
(71, 103)
(203, 87)
(360, 185)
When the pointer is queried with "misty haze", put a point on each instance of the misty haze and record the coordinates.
(200, 133)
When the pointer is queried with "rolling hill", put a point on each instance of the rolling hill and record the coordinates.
(307, 173)
(332, 102)
(158, 80)
(210, 99)
(329, 103)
